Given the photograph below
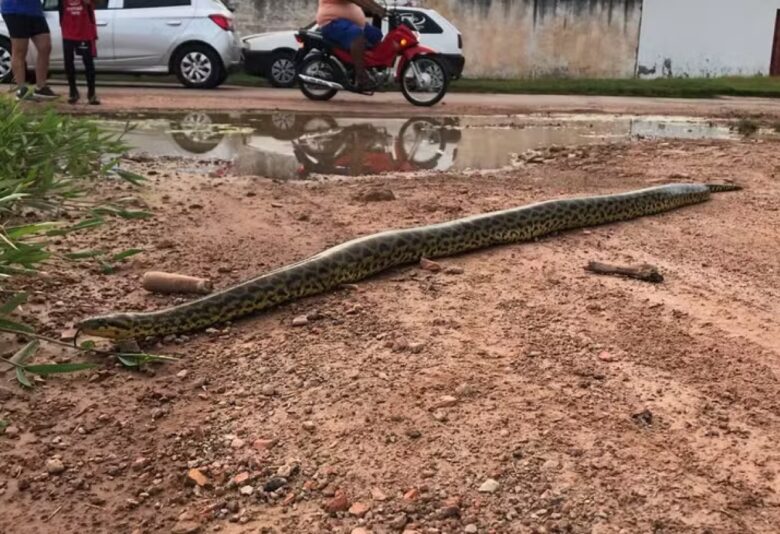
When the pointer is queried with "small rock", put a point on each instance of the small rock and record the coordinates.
(195, 476)
(416, 348)
(268, 390)
(605, 356)
(186, 527)
(301, 320)
(398, 522)
(360, 530)
(339, 503)
(471, 528)
(246, 490)
(447, 401)
(414, 433)
(454, 270)
(240, 478)
(182, 374)
(489, 486)
(378, 495)
(411, 495)
(264, 444)
(440, 416)
(289, 469)
(274, 483)
(358, 509)
(55, 466)
(429, 265)
(645, 418)
(309, 425)
(237, 443)
(140, 463)
(11, 431)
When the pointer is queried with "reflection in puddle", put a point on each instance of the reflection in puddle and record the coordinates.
(290, 145)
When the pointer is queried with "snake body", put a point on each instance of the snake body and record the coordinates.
(369, 255)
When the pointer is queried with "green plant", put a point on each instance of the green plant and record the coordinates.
(49, 166)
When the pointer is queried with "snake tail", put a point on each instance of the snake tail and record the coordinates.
(366, 256)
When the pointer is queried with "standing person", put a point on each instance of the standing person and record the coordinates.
(79, 36)
(344, 23)
(26, 23)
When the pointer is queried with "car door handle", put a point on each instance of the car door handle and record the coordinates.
(173, 22)
(102, 23)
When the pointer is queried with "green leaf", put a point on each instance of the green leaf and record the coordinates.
(50, 369)
(126, 254)
(25, 353)
(84, 254)
(22, 378)
(17, 232)
(128, 361)
(87, 345)
(133, 178)
(14, 302)
(3, 425)
(5, 324)
(83, 225)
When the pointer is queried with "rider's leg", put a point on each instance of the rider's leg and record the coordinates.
(358, 48)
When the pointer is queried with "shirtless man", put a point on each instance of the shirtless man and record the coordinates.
(344, 23)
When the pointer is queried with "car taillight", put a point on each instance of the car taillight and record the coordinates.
(226, 23)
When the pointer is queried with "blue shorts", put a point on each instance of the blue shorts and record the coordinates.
(343, 32)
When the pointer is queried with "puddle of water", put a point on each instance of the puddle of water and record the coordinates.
(294, 146)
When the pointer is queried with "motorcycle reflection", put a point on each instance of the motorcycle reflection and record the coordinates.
(364, 149)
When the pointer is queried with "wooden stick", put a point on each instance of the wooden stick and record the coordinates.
(158, 282)
(644, 272)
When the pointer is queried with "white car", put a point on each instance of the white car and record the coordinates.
(272, 54)
(193, 39)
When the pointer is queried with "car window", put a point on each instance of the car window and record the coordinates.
(421, 22)
(143, 4)
(54, 5)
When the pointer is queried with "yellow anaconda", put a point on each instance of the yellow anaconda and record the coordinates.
(366, 256)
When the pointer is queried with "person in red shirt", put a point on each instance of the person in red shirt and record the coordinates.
(79, 36)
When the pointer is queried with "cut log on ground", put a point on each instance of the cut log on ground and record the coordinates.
(644, 272)
(158, 282)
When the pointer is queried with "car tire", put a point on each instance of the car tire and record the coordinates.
(5, 61)
(198, 66)
(282, 70)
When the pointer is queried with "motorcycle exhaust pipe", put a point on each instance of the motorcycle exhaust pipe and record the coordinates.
(316, 81)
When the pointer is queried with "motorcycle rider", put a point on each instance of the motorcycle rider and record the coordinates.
(344, 23)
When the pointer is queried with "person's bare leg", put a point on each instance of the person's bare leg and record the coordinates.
(18, 60)
(357, 49)
(42, 44)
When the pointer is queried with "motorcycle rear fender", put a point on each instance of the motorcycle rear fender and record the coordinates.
(409, 54)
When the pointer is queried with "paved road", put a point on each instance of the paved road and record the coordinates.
(161, 97)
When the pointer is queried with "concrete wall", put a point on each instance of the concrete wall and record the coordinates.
(534, 38)
(508, 38)
(706, 37)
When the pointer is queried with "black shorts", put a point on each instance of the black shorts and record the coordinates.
(25, 26)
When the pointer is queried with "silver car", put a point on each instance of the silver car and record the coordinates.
(193, 39)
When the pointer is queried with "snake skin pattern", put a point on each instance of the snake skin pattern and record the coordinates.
(366, 256)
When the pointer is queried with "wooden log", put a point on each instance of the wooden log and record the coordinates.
(159, 282)
(644, 272)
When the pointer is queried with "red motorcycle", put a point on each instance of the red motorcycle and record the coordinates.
(325, 69)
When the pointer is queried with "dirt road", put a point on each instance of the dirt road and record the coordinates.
(512, 392)
(393, 104)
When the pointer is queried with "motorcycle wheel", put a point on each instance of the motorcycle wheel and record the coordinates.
(424, 81)
(318, 67)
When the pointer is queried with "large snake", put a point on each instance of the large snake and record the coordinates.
(366, 256)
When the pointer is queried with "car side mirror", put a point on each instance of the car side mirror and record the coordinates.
(231, 5)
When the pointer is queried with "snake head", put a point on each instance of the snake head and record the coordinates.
(109, 326)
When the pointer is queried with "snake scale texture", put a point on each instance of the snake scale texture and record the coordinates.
(369, 255)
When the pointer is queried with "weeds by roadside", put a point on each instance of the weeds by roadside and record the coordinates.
(49, 165)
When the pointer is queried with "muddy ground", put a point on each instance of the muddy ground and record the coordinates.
(511, 392)
(231, 98)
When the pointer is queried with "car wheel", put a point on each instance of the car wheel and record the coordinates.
(281, 70)
(198, 66)
(5, 61)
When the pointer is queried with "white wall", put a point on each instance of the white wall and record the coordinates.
(706, 37)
